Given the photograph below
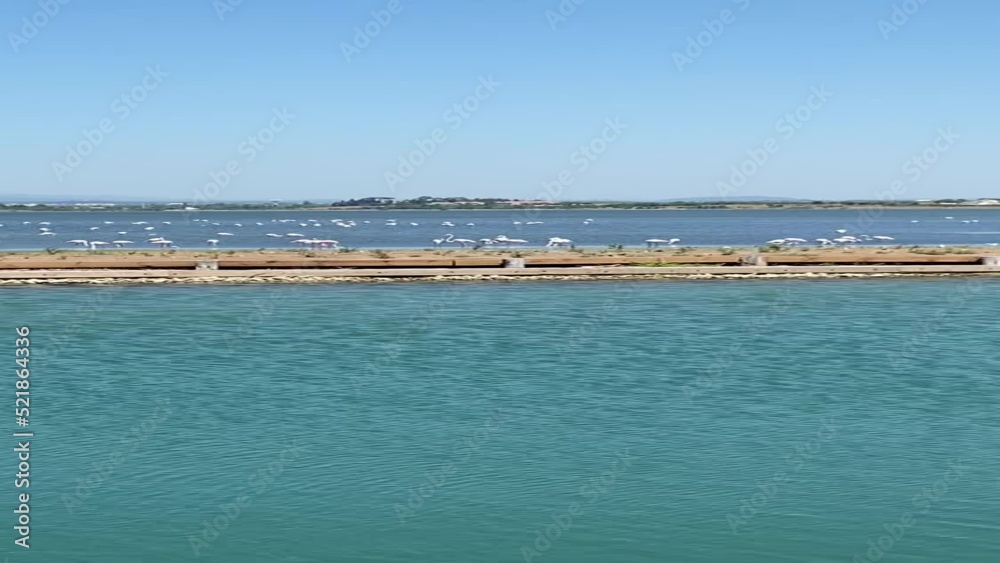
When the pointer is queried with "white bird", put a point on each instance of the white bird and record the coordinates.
(148, 228)
(273, 235)
(121, 243)
(559, 241)
(94, 228)
(46, 233)
(294, 235)
(447, 224)
(225, 234)
(651, 242)
(881, 237)
(79, 242)
(841, 231)
(504, 239)
(213, 242)
(94, 244)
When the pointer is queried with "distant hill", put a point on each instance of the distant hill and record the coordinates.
(25, 198)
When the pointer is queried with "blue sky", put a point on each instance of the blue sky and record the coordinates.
(354, 106)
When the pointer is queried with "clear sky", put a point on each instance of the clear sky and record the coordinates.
(339, 110)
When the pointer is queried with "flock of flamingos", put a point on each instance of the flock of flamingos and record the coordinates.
(300, 239)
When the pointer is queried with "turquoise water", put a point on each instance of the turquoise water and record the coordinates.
(637, 422)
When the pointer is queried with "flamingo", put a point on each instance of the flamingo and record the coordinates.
(558, 241)
(504, 239)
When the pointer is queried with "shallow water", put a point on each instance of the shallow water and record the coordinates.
(671, 421)
(628, 228)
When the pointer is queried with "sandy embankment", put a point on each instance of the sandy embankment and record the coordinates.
(246, 267)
